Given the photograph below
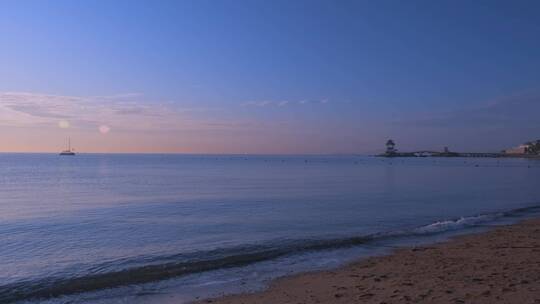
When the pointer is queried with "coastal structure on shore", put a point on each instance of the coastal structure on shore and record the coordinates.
(392, 151)
(528, 148)
(521, 149)
(390, 147)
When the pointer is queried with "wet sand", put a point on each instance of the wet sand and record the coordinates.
(499, 266)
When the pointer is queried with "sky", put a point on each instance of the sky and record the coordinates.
(256, 76)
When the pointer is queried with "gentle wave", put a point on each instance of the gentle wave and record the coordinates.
(464, 222)
(224, 258)
(460, 223)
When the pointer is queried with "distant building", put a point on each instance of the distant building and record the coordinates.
(521, 149)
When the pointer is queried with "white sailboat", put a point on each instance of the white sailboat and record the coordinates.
(69, 151)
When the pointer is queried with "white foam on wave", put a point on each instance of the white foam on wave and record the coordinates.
(456, 224)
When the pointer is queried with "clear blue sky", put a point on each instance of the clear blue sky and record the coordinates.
(269, 76)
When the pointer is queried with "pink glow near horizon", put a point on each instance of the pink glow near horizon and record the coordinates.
(115, 124)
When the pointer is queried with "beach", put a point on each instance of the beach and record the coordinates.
(498, 266)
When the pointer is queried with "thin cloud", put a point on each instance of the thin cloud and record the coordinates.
(118, 96)
(34, 110)
(513, 111)
(118, 112)
(282, 103)
(261, 103)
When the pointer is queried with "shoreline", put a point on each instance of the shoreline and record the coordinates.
(498, 266)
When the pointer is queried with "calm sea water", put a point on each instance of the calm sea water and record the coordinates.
(154, 228)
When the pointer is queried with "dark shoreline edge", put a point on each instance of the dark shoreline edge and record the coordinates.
(55, 287)
(276, 285)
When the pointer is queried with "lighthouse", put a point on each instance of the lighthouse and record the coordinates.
(390, 147)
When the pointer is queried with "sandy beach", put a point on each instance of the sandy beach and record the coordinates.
(499, 266)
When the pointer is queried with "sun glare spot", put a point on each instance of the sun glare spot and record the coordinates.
(104, 129)
(63, 124)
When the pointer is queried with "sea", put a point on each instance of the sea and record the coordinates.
(152, 228)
